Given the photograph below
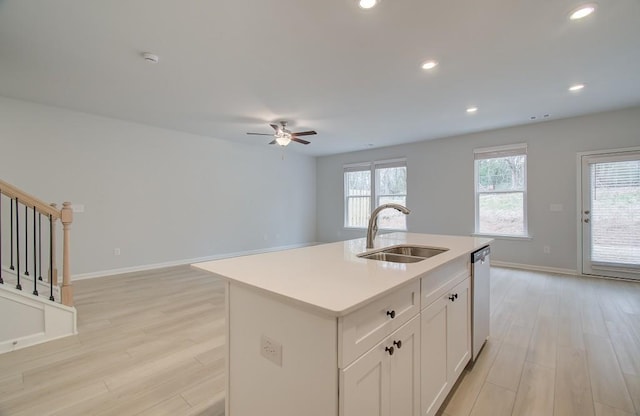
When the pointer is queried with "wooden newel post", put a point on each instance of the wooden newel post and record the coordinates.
(66, 216)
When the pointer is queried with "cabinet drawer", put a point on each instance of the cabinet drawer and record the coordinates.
(361, 330)
(436, 283)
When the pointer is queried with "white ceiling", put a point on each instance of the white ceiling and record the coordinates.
(232, 66)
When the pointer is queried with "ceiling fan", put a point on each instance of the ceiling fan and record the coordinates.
(283, 136)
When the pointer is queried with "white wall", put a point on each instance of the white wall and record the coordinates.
(158, 195)
(440, 183)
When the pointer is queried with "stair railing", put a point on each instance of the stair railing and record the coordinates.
(25, 209)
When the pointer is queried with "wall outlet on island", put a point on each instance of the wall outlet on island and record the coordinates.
(546, 249)
(271, 350)
(116, 251)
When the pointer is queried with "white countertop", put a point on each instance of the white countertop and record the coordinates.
(330, 277)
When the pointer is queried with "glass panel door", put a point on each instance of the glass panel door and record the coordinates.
(611, 215)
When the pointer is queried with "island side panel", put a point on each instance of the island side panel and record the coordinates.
(307, 381)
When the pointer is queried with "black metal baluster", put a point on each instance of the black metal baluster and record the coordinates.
(1, 281)
(11, 242)
(40, 246)
(51, 257)
(26, 241)
(18, 247)
(35, 264)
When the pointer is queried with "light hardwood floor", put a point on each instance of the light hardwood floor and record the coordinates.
(151, 343)
(559, 346)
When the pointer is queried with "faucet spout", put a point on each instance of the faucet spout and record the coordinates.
(373, 221)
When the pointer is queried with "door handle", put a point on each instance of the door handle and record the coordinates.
(587, 212)
(586, 220)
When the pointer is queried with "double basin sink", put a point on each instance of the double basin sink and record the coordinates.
(403, 253)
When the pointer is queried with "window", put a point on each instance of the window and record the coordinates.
(501, 190)
(368, 185)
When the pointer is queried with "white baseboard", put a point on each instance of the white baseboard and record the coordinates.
(555, 270)
(145, 267)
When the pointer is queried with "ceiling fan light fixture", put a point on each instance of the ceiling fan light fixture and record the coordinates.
(367, 4)
(582, 11)
(283, 140)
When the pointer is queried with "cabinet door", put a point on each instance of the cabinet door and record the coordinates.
(365, 385)
(458, 330)
(404, 371)
(433, 334)
(385, 380)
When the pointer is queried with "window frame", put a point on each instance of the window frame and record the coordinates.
(373, 168)
(519, 149)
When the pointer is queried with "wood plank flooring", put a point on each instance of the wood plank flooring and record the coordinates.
(559, 345)
(149, 343)
(152, 343)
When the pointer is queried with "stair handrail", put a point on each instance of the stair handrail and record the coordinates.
(65, 215)
(28, 200)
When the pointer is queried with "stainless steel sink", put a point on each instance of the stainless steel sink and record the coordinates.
(418, 251)
(404, 254)
(394, 258)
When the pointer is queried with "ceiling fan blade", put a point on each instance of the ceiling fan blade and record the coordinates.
(260, 134)
(273, 142)
(295, 139)
(275, 127)
(304, 133)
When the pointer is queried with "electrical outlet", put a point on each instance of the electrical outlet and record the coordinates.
(271, 350)
(116, 251)
(546, 249)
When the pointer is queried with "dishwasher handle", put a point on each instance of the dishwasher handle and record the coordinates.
(479, 256)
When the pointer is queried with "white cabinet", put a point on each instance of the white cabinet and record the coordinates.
(360, 330)
(342, 365)
(458, 330)
(385, 380)
(445, 344)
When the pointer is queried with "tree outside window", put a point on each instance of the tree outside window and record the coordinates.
(501, 187)
(363, 195)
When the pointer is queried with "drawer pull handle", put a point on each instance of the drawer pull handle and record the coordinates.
(398, 344)
(453, 297)
(392, 314)
(389, 350)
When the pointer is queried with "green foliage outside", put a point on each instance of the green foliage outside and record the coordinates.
(501, 173)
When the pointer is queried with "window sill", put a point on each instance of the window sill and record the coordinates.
(393, 230)
(504, 237)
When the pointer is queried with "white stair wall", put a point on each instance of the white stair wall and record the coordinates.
(28, 320)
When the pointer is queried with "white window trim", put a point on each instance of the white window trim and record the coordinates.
(372, 167)
(495, 152)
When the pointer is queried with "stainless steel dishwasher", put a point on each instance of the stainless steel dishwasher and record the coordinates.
(480, 296)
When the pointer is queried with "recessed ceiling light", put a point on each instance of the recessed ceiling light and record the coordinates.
(367, 4)
(149, 57)
(582, 11)
(576, 87)
(472, 110)
(429, 65)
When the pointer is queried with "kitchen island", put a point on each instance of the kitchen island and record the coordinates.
(321, 331)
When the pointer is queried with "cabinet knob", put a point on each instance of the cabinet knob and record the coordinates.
(398, 344)
(389, 350)
(453, 297)
(391, 314)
